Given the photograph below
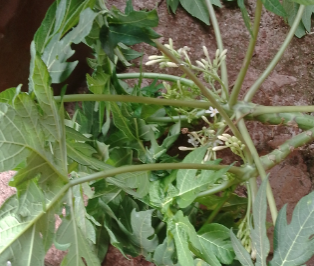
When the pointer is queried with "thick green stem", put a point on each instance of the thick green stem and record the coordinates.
(259, 110)
(132, 99)
(203, 89)
(168, 119)
(259, 166)
(158, 76)
(249, 53)
(224, 74)
(278, 155)
(241, 172)
(254, 111)
(251, 92)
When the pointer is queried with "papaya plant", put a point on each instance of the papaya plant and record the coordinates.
(109, 172)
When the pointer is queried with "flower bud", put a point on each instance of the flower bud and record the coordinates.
(171, 64)
(223, 138)
(205, 52)
(200, 64)
(226, 135)
(153, 57)
(149, 63)
(218, 148)
(217, 53)
(224, 52)
(181, 148)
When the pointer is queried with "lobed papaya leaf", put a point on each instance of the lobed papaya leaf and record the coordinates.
(58, 50)
(143, 235)
(216, 247)
(293, 243)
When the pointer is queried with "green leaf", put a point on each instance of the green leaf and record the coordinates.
(126, 34)
(215, 243)
(189, 183)
(28, 250)
(57, 52)
(121, 122)
(258, 234)
(293, 243)
(44, 32)
(291, 9)
(134, 18)
(197, 8)
(97, 83)
(245, 16)
(304, 2)
(72, 134)
(242, 255)
(80, 249)
(164, 254)
(172, 5)
(143, 233)
(7, 96)
(307, 17)
(275, 7)
(183, 233)
(130, 181)
(130, 54)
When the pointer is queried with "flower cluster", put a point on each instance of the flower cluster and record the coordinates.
(209, 66)
(164, 61)
(232, 142)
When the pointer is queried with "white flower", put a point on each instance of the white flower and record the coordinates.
(212, 111)
(193, 140)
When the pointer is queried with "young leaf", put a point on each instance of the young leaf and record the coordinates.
(258, 234)
(242, 255)
(293, 243)
(215, 243)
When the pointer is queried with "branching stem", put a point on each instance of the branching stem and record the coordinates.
(259, 166)
(251, 92)
(249, 53)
